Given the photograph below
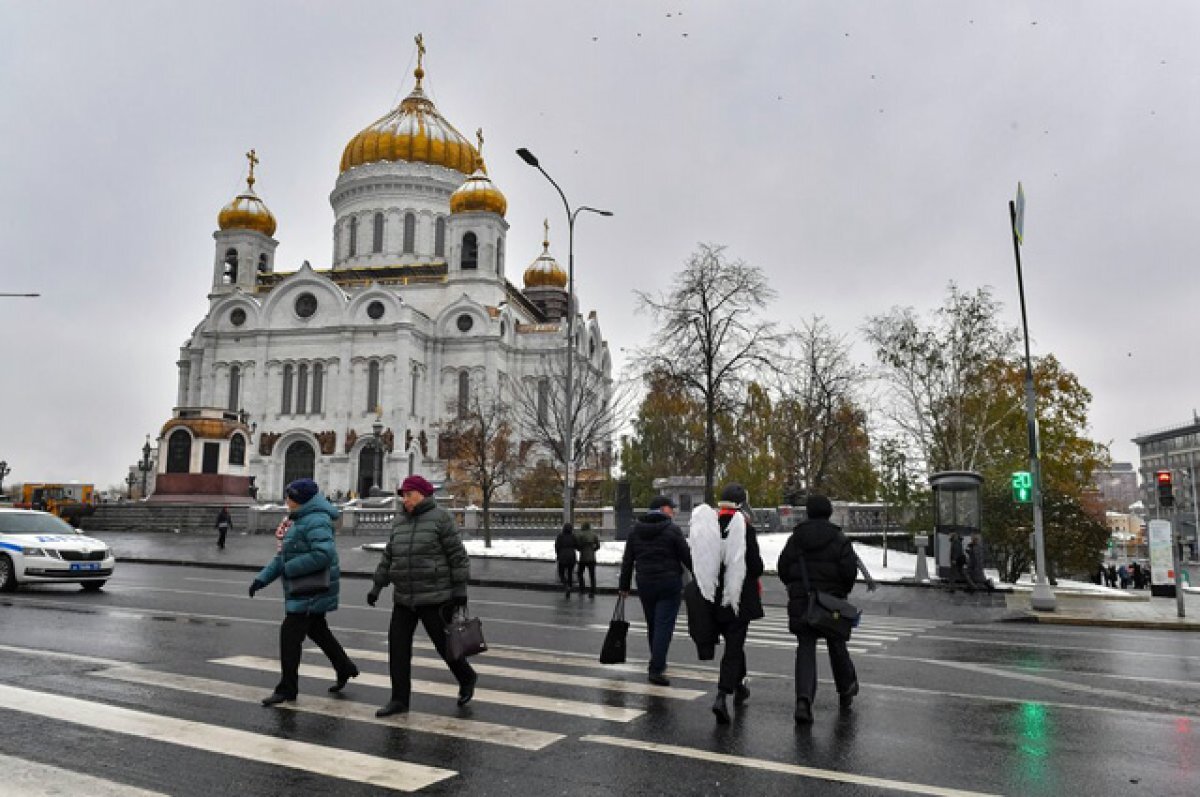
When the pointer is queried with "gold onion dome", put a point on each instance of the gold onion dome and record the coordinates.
(545, 272)
(478, 192)
(247, 211)
(413, 132)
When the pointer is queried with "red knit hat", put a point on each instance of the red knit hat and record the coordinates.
(418, 483)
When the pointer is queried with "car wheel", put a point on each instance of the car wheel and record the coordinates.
(93, 586)
(8, 578)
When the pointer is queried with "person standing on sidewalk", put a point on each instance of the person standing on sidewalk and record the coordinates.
(564, 554)
(305, 547)
(657, 550)
(587, 543)
(428, 568)
(820, 557)
(224, 523)
(727, 565)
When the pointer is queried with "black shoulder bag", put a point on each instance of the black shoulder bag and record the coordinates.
(826, 615)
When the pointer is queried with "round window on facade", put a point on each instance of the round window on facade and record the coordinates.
(465, 322)
(237, 317)
(306, 305)
(375, 310)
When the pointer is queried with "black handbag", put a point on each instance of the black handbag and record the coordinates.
(309, 584)
(826, 615)
(464, 636)
(613, 649)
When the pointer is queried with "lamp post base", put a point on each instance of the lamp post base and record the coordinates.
(1042, 599)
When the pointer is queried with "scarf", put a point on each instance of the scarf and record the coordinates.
(711, 553)
(281, 531)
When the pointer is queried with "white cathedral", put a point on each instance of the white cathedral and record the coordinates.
(297, 374)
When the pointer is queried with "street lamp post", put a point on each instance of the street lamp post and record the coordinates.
(377, 476)
(130, 480)
(569, 425)
(144, 466)
(4, 471)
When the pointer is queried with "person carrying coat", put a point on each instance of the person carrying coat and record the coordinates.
(564, 554)
(587, 543)
(818, 549)
(657, 550)
(727, 565)
(428, 568)
(223, 524)
(305, 547)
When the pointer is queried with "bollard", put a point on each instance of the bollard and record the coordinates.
(922, 574)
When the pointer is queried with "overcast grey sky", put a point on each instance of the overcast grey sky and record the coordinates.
(862, 154)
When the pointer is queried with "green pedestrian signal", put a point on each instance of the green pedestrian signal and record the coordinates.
(1022, 487)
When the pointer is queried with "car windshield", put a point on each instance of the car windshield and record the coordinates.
(33, 523)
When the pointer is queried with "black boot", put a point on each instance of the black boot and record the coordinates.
(846, 699)
(392, 707)
(275, 699)
(467, 691)
(741, 694)
(720, 709)
(803, 711)
(342, 679)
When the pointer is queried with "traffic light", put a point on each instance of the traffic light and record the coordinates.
(1022, 487)
(1166, 489)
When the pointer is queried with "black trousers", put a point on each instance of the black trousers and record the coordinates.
(566, 573)
(291, 645)
(733, 660)
(844, 675)
(221, 532)
(400, 644)
(591, 569)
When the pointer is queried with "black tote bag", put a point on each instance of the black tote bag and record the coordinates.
(613, 650)
(464, 636)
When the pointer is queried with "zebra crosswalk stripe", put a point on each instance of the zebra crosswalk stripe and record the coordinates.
(32, 779)
(340, 764)
(572, 708)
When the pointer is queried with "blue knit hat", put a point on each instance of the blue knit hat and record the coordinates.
(301, 490)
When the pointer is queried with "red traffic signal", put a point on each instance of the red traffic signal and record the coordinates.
(1166, 488)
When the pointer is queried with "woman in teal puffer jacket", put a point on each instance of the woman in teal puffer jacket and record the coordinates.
(305, 547)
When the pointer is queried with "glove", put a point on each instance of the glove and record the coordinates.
(372, 596)
(255, 586)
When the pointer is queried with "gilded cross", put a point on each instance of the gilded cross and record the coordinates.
(253, 158)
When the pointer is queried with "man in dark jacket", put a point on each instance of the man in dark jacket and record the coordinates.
(657, 550)
(564, 553)
(820, 549)
(224, 522)
(428, 567)
(587, 543)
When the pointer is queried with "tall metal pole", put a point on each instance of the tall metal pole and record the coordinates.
(1042, 598)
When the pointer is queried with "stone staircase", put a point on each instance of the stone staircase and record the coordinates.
(146, 517)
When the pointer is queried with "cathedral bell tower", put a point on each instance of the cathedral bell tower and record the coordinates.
(244, 246)
(477, 229)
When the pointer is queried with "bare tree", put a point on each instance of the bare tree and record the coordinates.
(709, 337)
(479, 445)
(599, 407)
(946, 376)
(819, 414)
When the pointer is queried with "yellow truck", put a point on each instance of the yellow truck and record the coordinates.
(70, 501)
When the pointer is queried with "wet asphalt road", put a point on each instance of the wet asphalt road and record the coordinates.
(946, 708)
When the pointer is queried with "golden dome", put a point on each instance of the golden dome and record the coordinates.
(413, 132)
(247, 211)
(478, 192)
(545, 272)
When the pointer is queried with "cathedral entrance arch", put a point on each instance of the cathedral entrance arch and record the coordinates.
(299, 462)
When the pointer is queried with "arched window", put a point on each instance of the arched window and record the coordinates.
(231, 267)
(470, 252)
(262, 264)
(377, 234)
(237, 450)
(439, 237)
(302, 389)
(372, 386)
(500, 256)
(353, 236)
(299, 462)
(235, 388)
(543, 400)
(285, 403)
(410, 233)
(318, 387)
(464, 392)
(179, 452)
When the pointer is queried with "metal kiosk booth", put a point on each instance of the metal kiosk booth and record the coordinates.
(957, 506)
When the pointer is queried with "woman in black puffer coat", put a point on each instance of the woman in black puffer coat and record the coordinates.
(832, 567)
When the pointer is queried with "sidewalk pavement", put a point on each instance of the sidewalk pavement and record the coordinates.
(249, 553)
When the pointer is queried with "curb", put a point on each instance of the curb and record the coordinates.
(1104, 622)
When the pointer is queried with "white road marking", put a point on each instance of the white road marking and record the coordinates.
(30, 779)
(324, 761)
(66, 656)
(782, 768)
(541, 676)
(572, 708)
(489, 732)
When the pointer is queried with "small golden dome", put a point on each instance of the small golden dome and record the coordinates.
(413, 132)
(247, 211)
(545, 272)
(478, 192)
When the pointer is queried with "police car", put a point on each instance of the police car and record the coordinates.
(39, 548)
